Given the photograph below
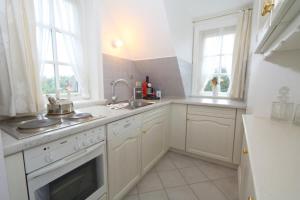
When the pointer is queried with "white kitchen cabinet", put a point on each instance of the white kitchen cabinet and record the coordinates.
(15, 172)
(238, 136)
(278, 30)
(209, 136)
(178, 126)
(154, 133)
(124, 141)
(246, 187)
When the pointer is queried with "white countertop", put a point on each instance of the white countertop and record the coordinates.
(12, 145)
(274, 149)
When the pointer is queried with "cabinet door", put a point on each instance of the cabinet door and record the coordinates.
(210, 137)
(123, 167)
(178, 126)
(16, 177)
(246, 187)
(152, 144)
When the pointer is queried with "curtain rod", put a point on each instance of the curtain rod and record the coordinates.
(220, 15)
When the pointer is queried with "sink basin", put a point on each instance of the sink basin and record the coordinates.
(129, 106)
(136, 105)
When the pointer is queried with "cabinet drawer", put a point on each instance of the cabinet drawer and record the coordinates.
(212, 111)
(153, 114)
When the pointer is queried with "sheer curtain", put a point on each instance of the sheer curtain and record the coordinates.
(240, 55)
(20, 90)
(81, 17)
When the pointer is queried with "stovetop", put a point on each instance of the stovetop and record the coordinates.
(28, 126)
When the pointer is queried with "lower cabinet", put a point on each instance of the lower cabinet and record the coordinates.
(123, 156)
(16, 177)
(135, 144)
(154, 131)
(246, 187)
(211, 137)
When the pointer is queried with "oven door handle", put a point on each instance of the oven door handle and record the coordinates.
(65, 161)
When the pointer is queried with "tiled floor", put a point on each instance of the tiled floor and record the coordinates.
(178, 177)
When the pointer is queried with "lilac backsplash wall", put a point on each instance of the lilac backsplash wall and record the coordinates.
(115, 68)
(164, 74)
(170, 75)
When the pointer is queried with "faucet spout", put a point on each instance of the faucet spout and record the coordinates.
(113, 84)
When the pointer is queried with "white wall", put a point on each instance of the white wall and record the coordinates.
(181, 13)
(141, 24)
(265, 78)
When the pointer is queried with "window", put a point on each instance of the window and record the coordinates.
(217, 60)
(55, 35)
(213, 53)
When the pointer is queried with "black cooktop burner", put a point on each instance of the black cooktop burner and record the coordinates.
(39, 123)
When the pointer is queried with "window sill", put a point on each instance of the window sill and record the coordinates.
(226, 97)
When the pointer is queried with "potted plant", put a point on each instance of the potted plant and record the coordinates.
(214, 85)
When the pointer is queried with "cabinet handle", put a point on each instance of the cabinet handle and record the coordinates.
(250, 198)
(267, 7)
(245, 151)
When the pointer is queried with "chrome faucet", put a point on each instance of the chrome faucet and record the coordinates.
(113, 86)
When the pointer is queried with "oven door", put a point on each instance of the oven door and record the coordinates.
(77, 177)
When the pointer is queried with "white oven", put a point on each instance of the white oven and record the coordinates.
(72, 168)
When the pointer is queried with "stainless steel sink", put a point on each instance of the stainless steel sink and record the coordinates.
(136, 105)
(130, 105)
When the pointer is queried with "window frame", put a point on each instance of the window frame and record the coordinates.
(206, 25)
(53, 30)
(221, 33)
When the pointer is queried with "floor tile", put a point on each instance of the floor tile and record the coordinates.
(181, 161)
(157, 195)
(229, 186)
(181, 193)
(150, 182)
(165, 164)
(214, 171)
(152, 170)
(207, 191)
(131, 197)
(193, 175)
(171, 178)
(133, 191)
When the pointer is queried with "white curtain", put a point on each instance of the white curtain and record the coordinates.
(83, 49)
(240, 55)
(20, 90)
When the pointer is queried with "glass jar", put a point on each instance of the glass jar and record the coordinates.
(282, 111)
(297, 115)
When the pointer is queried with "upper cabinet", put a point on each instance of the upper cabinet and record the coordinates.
(278, 26)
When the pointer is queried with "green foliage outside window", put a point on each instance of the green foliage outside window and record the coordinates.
(224, 84)
(48, 84)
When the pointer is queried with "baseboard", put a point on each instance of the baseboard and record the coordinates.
(230, 165)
